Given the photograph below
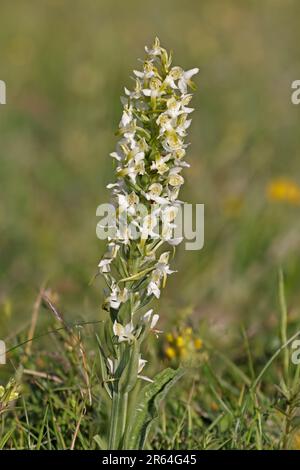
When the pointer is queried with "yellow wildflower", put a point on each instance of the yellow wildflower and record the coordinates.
(284, 190)
(180, 342)
(9, 393)
(170, 352)
(198, 343)
(188, 331)
(169, 337)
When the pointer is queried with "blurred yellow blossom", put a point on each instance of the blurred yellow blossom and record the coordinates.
(284, 190)
(170, 352)
(198, 343)
(8, 394)
(169, 337)
(188, 331)
(181, 343)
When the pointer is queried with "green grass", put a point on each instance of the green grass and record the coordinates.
(245, 402)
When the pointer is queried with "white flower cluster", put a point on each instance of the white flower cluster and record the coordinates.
(150, 158)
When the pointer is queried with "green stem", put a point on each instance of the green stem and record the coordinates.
(118, 420)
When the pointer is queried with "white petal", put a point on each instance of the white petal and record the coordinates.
(190, 73)
(147, 379)
(110, 365)
(175, 242)
(128, 329)
(142, 363)
(148, 314)
(188, 110)
(116, 156)
(104, 262)
(182, 86)
(154, 289)
(118, 329)
(154, 320)
(115, 304)
(139, 74)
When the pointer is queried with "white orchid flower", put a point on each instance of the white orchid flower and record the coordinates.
(185, 79)
(151, 318)
(185, 100)
(124, 333)
(153, 288)
(155, 50)
(160, 164)
(104, 265)
(173, 107)
(167, 234)
(117, 296)
(137, 92)
(124, 234)
(127, 116)
(174, 75)
(106, 261)
(148, 226)
(169, 214)
(112, 367)
(174, 178)
(155, 88)
(136, 166)
(172, 142)
(165, 123)
(159, 274)
(154, 192)
(183, 125)
(162, 270)
(149, 71)
(127, 203)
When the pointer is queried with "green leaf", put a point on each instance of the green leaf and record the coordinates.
(101, 443)
(148, 406)
(6, 437)
(103, 368)
(128, 378)
(108, 339)
(43, 426)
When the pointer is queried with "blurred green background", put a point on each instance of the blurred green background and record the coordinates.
(65, 65)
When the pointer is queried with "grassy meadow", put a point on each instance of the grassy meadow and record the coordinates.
(231, 307)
